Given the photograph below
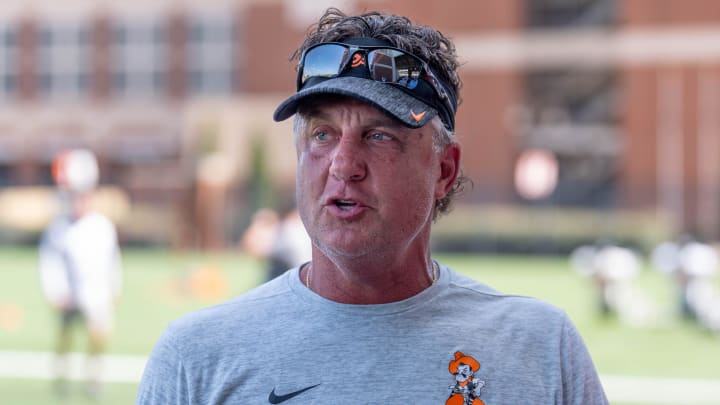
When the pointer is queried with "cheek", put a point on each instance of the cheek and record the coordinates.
(414, 194)
(420, 180)
(311, 172)
(305, 163)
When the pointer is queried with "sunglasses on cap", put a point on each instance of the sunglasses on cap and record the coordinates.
(384, 64)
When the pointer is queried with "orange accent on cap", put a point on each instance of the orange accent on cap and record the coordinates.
(417, 117)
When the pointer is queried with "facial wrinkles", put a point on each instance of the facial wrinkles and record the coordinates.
(347, 126)
(347, 162)
(351, 122)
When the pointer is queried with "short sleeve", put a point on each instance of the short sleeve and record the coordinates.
(164, 380)
(581, 384)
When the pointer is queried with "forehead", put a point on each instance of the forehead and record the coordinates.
(329, 107)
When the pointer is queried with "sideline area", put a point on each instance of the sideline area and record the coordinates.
(619, 389)
(38, 365)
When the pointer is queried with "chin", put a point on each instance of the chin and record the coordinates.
(343, 249)
(345, 252)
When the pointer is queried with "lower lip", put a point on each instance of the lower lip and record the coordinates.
(345, 213)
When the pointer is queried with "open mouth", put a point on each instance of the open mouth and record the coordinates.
(345, 205)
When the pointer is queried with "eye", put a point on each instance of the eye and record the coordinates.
(321, 136)
(379, 136)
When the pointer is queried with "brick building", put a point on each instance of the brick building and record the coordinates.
(623, 95)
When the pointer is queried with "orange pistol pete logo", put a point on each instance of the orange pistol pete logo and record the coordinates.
(358, 60)
(467, 386)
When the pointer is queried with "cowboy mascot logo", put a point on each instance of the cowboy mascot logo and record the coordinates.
(466, 390)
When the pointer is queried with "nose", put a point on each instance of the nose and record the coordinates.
(347, 162)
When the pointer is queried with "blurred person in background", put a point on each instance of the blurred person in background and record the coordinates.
(378, 163)
(693, 266)
(613, 270)
(79, 265)
(291, 244)
(279, 239)
(259, 235)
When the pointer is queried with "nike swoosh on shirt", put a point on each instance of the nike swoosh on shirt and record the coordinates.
(277, 399)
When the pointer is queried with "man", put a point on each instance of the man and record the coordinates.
(372, 319)
(80, 265)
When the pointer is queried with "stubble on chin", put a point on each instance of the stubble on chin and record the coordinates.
(350, 242)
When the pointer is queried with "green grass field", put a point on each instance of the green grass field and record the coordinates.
(159, 286)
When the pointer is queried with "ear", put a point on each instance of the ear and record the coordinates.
(449, 170)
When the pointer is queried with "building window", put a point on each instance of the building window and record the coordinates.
(573, 114)
(63, 59)
(6, 178)
(210, 55)
(8, 62)
(570, 13)
(139, 58)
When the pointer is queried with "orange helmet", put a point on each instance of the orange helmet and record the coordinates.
(76, 170)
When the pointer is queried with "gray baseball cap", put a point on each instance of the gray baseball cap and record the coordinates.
(387, 98)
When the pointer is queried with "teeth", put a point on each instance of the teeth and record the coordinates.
(345, 204)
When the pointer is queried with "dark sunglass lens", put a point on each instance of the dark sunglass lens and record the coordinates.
(390, 65)
(324, 61)
(380, 64)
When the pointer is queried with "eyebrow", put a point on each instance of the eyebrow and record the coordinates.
(385, 121)
(388, 122)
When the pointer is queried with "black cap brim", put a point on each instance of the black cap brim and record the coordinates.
(385, 97)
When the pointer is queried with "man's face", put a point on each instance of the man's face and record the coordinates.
(365, 183)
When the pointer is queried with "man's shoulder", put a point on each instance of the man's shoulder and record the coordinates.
(95, 224)
(240, 310)
(476, 293)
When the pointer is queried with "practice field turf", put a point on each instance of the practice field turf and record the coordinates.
(160, 286)
(39, 392)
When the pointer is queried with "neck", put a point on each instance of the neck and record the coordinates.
(369, 281)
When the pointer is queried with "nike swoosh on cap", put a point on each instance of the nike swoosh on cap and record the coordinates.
(417, 117)
(277, 399)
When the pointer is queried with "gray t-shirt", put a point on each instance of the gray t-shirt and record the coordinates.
(457, 342)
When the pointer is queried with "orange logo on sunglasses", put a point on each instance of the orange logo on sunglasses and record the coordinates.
(358, 60)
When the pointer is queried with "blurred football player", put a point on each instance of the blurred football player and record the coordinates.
(79, 264)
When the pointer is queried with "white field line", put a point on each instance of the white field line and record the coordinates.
(40, 365)
(661, 390)
(128, 369)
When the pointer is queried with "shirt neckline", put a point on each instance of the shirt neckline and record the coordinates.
(311, 298)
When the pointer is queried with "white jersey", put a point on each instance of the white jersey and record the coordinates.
(80, 266)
